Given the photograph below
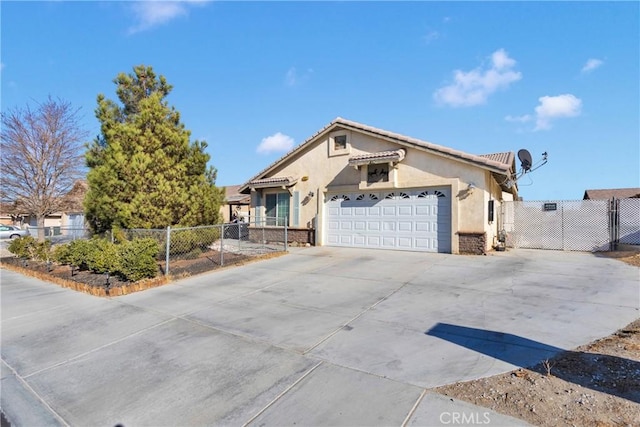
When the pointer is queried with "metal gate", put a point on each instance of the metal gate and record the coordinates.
(573, 225)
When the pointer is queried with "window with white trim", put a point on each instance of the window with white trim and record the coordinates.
(277, 208)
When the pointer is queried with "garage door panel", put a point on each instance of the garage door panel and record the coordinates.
(423, 210)
(422, 226)
(405, 210)
(389, 242)
(373, 241)
(400, 219)
(405, 242)
(359, 225)
(388, 226)
(389, 210)
(346, 240)
(333, 225)
(405, 226)
(333, 239)
(374, 225)
(422, 244)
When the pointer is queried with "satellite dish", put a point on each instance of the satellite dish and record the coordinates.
(525, 159)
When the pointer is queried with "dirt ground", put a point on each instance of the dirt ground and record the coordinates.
(207, 261)
(597, 384)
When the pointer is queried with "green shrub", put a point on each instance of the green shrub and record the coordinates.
(23, 247)
(206, 236)
(138, 259)
(102, 256)
(61, 254)
(79, 253)
(191, 243)
(42, 251)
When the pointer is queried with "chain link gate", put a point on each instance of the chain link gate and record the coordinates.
(573, 225)
(629, 221)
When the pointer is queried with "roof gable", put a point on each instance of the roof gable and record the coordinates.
(500, 163)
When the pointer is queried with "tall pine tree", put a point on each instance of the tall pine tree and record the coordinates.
(143, 170)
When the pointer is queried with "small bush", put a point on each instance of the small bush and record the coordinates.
(206, 236)
(102, 256)
(79, 253)
(62, 254)
(138, 259)
(42, 251)
(23, 247)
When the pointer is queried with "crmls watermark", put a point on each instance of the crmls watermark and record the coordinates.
(465, 418)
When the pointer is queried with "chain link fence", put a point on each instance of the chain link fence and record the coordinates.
(629, 221)
(60, 234)
(573, 225)
(193, 250)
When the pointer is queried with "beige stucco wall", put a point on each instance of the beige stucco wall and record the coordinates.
(325, 172)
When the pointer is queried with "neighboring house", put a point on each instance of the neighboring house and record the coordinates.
(69, 217)
(608, 194)
(358, 186)
(236, 205)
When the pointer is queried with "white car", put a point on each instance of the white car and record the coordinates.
(12, 232)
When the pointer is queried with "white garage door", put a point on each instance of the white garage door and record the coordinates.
(416, 220)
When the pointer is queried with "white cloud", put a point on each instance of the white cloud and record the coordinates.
(591, 65)
(519, 119)
(432, 35)
(277, 142)
(556, 107)
(293, 78)
(474, 87)
(151, 13)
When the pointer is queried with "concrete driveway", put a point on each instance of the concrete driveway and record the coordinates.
(321, 336)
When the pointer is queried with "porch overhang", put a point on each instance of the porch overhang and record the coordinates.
(394, 156)
(275, 182)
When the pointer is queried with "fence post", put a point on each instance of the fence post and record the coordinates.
(614, 224)
(166, 262)
(286, 239)
(222, 246)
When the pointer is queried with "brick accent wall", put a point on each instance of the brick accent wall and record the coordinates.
(472, 243)
(276, 234)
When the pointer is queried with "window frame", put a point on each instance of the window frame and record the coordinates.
(282, 208)
(333, 150)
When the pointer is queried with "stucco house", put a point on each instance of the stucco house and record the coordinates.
(70, 216)
(236, 205)
(359, 186)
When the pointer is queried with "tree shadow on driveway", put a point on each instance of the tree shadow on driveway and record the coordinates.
(613, 375)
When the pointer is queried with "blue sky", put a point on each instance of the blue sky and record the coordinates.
(254, 79)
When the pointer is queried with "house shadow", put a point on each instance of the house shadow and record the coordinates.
(613, 375)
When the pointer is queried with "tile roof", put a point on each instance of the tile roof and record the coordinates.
(232, 196)
(379, 157)
(506, 158)
(618, 193)
(494, 164)
(273, 182)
